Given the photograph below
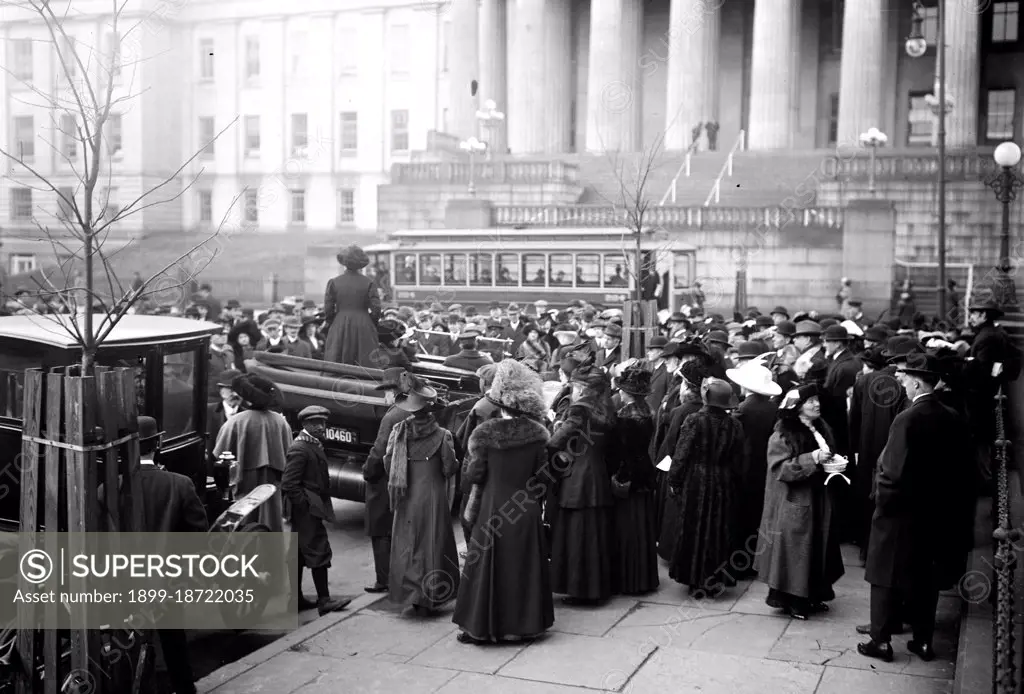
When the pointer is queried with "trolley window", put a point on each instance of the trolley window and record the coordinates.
(179, 390)
(615, 272)
(508, 270)
(455, 269)
(405, 269)
(682, 272)
(430, 269)
(534, 272)
(480, 270)
(588, 270)
(560, 269)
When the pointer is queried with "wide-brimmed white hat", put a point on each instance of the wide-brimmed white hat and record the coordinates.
(755, 378)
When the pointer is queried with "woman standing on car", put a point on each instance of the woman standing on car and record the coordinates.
(351, 308)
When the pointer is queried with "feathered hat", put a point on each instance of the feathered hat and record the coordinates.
(518, 390)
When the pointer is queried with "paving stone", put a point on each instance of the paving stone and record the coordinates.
(285, 673)
(469, 683)
(672, 670)
(364, 676)
(591, 620)
(371, 634)
(729, 632)
(449, 653)
(837, 680)
(582, 661)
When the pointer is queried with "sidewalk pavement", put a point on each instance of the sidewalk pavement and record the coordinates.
(662, 642)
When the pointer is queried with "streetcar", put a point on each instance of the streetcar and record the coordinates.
(474, 267)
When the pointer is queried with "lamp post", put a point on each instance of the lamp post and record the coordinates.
(491, 119)
(472, 145)
(873, 138)
(1005, 183)
(916, 46)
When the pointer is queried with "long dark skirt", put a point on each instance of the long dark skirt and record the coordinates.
(581, 565)
(271, 513)
(707, 528)
(668, 527)
(635, 569)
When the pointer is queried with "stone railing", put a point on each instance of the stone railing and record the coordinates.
(671, 216)
(485, 172)
(909, 165)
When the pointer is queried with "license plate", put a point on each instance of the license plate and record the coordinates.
(339, 435)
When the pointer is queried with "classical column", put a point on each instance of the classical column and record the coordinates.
(539, 76)
(963, 75)
(692, 88)
(493, 75)
(862, 68)
(463, 67)
(613, 87)
(771, 74)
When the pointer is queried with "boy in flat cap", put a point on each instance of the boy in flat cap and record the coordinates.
(306, 484)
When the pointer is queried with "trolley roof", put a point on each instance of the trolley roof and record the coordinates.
(131, 330)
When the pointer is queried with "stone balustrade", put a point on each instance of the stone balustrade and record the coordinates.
(485, 172)
(667, 216)
(910, 165)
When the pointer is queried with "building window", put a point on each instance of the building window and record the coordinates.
(346, 206)
(206, 59)
(68, 136)
(1005, 22)
(920, 120)
(65, 209)
(21, 204)
(300, 135)
(252, 206)
(400, 131)
(24, 137)
(67, 59)
(22, 263)
(206, 135)
(349, 132)
(833, 119)
(999, 114)
(930, 25)
(252, 57)
(832, 25)
(205, 206)
(114, 134)
(400, 50)
(114, 55)
(22, 59)
(252, 136)
(349, 51)
(299, 43)
(110, 206)
(298, 207)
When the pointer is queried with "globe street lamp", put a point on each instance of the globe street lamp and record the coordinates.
(491, 119)
(1005, 183)
(916, 46)
(873, 138)
(472, 145)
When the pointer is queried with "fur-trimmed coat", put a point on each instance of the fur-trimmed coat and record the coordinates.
(634, 428)
(580, 449)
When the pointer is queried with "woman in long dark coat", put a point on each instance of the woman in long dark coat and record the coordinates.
(505, 593)
(634, 484)
(693, 374)
(704, 478)
(351, 308)
(581, 533)
(798, 555)
(420, 460)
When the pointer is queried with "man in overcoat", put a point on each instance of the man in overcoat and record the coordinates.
(379, 518)
(468, 357)
(306, 485)
(909, 558)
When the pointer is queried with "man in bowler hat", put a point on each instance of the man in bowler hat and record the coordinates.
(306, 484)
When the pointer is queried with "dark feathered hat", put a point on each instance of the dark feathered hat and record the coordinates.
(636, 381)
(353, 257)
(259, 392)
(518, 390)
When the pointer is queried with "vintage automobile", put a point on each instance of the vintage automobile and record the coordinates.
(356, 407)
(169, 357)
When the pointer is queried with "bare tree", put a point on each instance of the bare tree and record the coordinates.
(81, 112)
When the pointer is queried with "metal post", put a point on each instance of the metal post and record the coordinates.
(472, 187)
(941, 57)
(871, 173)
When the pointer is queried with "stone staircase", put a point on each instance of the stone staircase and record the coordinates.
(600, 176)
(772, 178)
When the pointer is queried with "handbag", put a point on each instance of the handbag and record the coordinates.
(469, 516)
(620, 489)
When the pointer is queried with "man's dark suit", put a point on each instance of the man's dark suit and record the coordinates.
(306, 484)
(171, 505)
(840, 377)
(660, 379)
(468, 359)
(910, 551)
